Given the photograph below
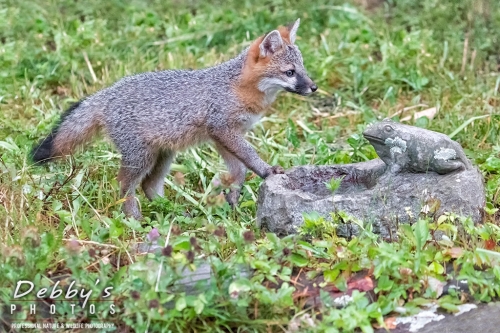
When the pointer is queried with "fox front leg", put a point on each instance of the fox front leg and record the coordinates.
(234, 143)
(237, 171)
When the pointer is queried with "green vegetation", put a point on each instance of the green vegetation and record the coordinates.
(369, 64)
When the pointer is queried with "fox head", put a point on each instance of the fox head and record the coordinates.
(274, 63)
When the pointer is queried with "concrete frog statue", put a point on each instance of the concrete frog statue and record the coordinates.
(419, 172)
(412, 149)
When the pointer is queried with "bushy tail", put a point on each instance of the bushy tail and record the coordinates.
(77, 125)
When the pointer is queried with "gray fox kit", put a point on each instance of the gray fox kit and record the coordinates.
(152, 115)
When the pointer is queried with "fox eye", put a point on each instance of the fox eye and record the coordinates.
(290, 72)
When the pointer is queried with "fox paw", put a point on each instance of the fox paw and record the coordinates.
(275, 170)
(232, 197)
(131, 209)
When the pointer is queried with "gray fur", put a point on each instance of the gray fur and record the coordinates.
(152, 115)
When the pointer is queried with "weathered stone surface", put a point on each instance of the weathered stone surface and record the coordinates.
(192, 282)
(387, 191)
(483, 318)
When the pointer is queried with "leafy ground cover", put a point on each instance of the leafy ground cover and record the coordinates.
(371, 59)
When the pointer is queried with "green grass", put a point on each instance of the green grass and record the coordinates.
(368, 64)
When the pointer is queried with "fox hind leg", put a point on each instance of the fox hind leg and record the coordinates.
(133, 169)
(152, 184)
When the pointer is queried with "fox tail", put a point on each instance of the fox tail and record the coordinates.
(76, 126)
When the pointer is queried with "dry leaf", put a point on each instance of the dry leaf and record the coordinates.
(454, 252)
(73, 246)
(364, 284)
(179, 178)
(62, 91)
(405, 271)
(216, 200)
(489, 244)
(429, 113)
(435, 285)
(390, 323)
(371, 270)
(176, 230)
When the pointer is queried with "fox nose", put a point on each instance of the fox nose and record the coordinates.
(314, 87)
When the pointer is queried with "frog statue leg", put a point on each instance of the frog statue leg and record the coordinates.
(447, 166)
(446, 160)
(399, 161)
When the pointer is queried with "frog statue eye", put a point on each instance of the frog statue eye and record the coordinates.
(388, 128)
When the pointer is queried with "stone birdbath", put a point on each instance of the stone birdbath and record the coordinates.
(418, 172)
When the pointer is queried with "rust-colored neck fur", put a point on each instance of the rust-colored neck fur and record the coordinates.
(253, 71)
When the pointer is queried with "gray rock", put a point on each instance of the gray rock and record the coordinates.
(483, 318)
(420, 172)
(190, 282)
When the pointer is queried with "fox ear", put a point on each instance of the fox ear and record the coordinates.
(271, 43)
(293, 31)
